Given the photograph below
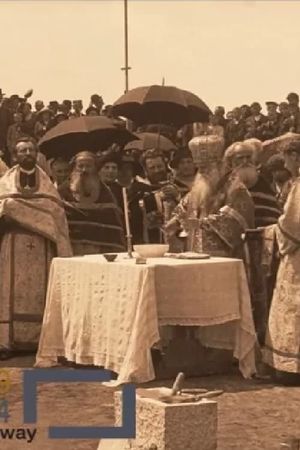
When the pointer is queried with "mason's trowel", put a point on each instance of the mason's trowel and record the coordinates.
(177, 394)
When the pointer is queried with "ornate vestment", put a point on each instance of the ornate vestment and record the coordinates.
(223, 221)
(3, 167)
(282, 344)
(33, 229)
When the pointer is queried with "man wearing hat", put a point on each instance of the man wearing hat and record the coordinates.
(220, 115)
(44, 121)
(6, 119)
(184, 169)
(97, 102)
(66, 107)
(270, 129)
(255, 122)
(285, 121)
(54, 106)
(77, 108)
(235, 128)
(59, 117)
(92, 111)
(293, 99)
(39, 105)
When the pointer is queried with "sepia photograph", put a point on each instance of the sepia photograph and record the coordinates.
(150, 225)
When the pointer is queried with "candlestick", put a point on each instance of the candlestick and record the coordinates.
(129, 245)
(126, 212)
(127, 225)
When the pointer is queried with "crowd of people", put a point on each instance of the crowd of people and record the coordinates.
(247, 121)
(223, 205)
(19, 117)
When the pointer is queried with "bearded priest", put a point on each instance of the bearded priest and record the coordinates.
(33, 230)
(94, 217)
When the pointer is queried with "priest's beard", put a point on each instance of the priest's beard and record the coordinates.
(247, 174)
(84, 184)
(27, 163)
(202, 194)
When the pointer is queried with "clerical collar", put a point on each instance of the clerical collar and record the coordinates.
(27, 172)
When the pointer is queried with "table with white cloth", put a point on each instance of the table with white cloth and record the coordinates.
(109, 314)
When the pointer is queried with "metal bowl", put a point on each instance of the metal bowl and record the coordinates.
(110, 257)
(151, 250)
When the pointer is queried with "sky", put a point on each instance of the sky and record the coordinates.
(227, 52)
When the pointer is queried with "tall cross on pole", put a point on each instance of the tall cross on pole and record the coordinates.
(126, 68)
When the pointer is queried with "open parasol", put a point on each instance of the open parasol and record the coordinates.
(83, 133)
(146, 141)
(161, 104)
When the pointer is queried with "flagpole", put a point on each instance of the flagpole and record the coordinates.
(126, 68)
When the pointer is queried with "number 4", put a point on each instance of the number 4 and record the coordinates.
(4, 415)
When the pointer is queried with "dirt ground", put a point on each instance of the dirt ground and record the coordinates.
(251, 416)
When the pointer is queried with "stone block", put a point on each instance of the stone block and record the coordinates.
(179, 426)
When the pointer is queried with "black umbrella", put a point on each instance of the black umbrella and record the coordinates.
(161, 104)
(146, 141)
(84, 133)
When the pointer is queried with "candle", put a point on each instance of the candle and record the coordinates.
(126, 212)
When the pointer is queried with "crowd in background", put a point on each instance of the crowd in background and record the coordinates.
(18, 117)
(245, 122)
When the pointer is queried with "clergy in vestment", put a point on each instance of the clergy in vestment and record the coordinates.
(3, 167)
(282, 344)
(94, 217)
(33, 230)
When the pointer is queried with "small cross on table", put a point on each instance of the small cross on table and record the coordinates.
(30, 246)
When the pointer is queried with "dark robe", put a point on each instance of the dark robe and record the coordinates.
(267, 209)
(139, 191)
(97, 228)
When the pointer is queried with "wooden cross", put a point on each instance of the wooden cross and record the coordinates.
(30, 246)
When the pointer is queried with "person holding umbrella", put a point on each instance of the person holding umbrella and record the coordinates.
(157, 196)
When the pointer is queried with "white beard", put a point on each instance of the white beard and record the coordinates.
(85, 185)
(201, 194)
(248, 175)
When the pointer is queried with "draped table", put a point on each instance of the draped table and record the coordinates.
(109, 313)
